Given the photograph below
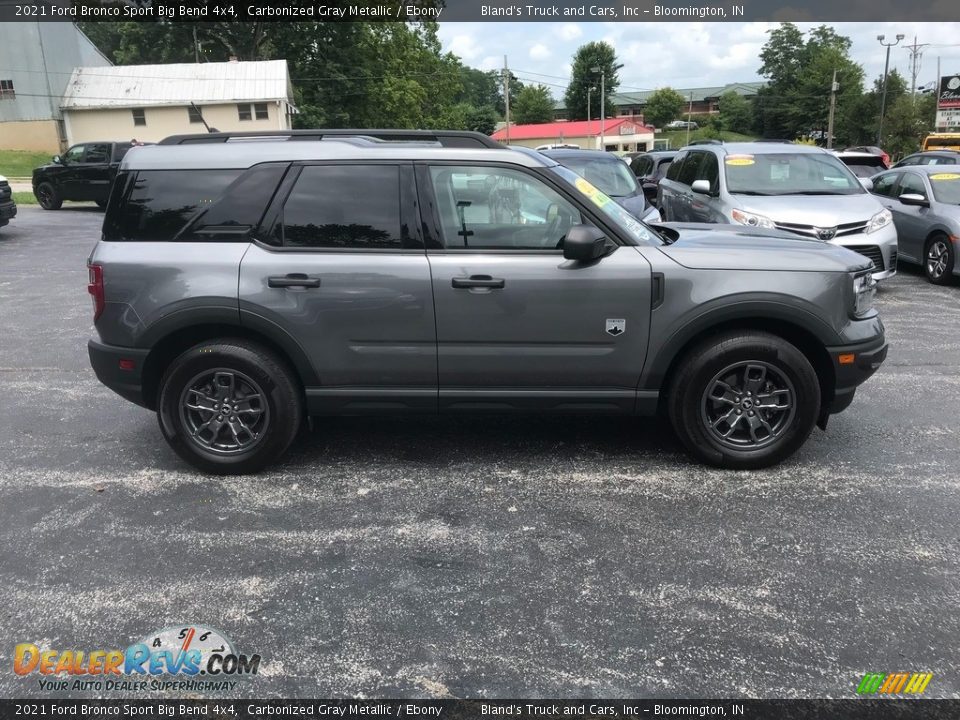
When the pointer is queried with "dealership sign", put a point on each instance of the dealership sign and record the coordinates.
(948, 102)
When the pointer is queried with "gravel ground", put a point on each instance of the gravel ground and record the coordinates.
(480, 557)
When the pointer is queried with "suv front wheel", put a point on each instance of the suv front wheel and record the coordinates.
(229, 406)
(744, 400)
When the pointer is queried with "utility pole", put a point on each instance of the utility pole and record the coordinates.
(506, 95)
(916, 55)
(833, 106)
(589, 126)
(689, 116)
(603, 100)
(886, 69)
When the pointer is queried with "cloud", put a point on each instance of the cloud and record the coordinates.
(464, 46)
(569, 31)
(539, 52)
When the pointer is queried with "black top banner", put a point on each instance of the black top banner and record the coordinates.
(478, 10)
(865, 709)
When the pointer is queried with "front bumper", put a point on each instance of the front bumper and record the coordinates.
(880, 246)
(120, 369)
(852, 365)
(8, 211)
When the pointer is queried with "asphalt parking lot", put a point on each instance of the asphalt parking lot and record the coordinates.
(480, 557)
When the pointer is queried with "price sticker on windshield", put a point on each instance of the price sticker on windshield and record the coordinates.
(945, 176)
(596, 197)
(739, 160)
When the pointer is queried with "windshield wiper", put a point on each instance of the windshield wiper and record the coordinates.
(750, 192)
(819, 192)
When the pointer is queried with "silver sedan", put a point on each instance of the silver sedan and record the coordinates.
(925, 202)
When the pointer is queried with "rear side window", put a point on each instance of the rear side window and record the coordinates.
(157, 204)
(351, 207)
(690, 168)
(674, 170)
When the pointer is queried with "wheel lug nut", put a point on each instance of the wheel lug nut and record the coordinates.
(750, 413)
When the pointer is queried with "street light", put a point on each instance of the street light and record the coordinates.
(589, 116)
(603, 97)
(883, 97)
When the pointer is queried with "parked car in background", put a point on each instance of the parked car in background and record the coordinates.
(611, 175)
(799, 189)
(873, 150)
(650, 168)
(931, 157)
(925, 202)
(8, 208)
(558, 146)
(84, 172)
(681, 125)
(862, 164)
(275, 280)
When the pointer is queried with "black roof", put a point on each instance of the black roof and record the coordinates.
(446, 138)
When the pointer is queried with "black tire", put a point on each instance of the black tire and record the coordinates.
(939, 259)
(260, 379)
(700, 416)
(48, 197)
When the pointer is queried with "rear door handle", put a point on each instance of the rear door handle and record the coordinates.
(478, 281)
(292, 280)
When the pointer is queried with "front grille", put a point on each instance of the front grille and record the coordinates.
(851, 228)
(893, 259)
(872, 252)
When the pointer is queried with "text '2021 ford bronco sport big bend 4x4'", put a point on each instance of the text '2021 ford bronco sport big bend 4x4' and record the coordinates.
(240, 286)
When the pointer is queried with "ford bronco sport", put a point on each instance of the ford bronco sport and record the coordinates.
(240, 286)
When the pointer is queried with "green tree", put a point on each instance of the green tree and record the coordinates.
(592, 55)
(800, 69)
(663, 105)
(735, 113)
(907, 120)
(534, 104)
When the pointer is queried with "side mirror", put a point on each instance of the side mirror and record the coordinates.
(57, 160)
(915, 199)
(584, 243)
(701, 186)
(867, 184)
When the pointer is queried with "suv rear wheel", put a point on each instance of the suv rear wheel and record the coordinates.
(229, 406)
(744, 400)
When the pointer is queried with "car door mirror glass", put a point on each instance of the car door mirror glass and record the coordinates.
(57, 160)
(584, 243)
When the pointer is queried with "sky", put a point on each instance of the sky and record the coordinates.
(682, 55)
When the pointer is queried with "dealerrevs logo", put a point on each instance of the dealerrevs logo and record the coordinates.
(184, 652)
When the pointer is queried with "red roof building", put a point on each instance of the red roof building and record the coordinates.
(623, 133)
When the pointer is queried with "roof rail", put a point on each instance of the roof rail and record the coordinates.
(705, 142)
(446, 138)
(774, 140)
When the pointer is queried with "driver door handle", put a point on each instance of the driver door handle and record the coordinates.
(292, 280)
(478, 281)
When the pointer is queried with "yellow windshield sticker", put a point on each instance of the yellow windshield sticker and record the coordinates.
(945, 176)
(739, 160)
(596, 197)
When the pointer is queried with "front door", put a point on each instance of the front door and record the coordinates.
(68, 178)
(518, 326)
(341, 268)
(93, 175)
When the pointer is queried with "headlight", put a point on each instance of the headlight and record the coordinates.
(880, 220)
(864, 289)
(751, 220)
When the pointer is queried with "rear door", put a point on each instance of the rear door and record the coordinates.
(669, 190)
(518, 326)
(93, 174)
(340, 266)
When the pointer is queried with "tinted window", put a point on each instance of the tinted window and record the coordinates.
(642, 166)
(939, 160)
(912, 184)
(240, 207)
(662, 167)
(884, 184)
(345, 206)
(75, 154)
(912, 160)
(501, 209)
(709, 170)
(98, 154)
(690, 168)
(160, 202)
(674, 170)
(789, 174)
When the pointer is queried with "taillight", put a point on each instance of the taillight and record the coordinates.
(95, 288)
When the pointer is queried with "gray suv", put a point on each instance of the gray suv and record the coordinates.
(800, 189)
(241, 286)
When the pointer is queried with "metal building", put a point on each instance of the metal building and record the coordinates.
(36, 62)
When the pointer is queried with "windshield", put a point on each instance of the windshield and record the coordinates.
(611, 175)
(789, 174)
(946, 187)
(613, 212)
